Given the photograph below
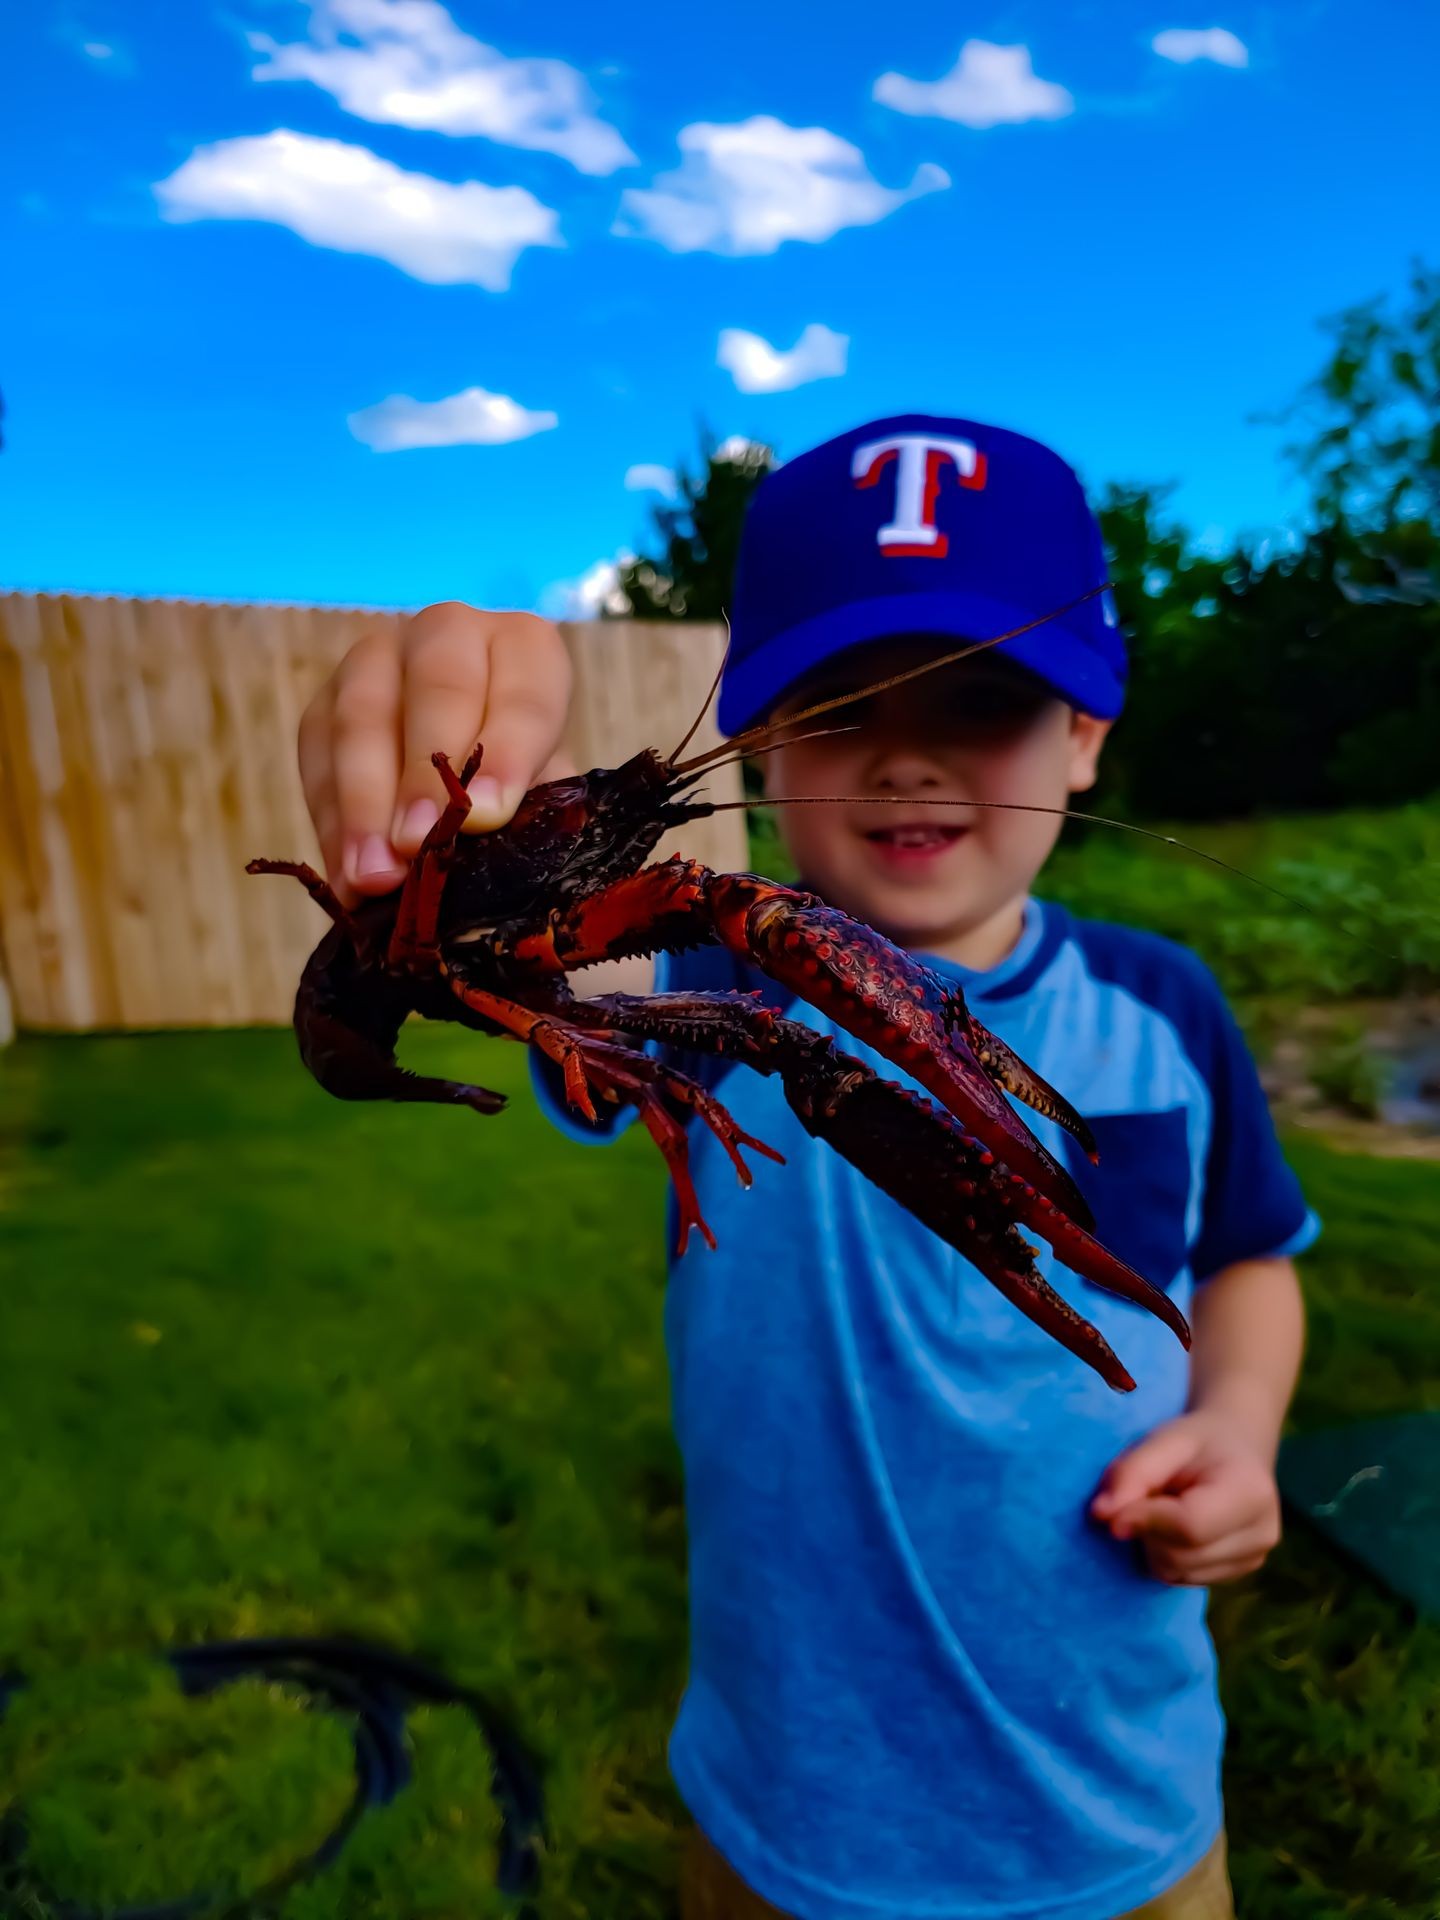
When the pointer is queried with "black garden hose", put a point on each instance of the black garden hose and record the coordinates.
(372, 1684)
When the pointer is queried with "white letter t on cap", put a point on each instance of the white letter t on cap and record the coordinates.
(918, 465)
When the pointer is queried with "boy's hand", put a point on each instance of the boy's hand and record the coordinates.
(450, 676)
(1199, 1495)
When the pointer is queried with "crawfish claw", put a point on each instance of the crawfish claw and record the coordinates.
(912, 1017)
(953, 1184)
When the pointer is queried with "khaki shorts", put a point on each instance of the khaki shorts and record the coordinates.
(710, 1889)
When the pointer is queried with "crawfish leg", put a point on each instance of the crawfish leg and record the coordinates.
(645, 1081)
(318, 888)
(417, 918)
(682, 1091)
(734, 1026)
(616, 1072)
(888, 999)
(552, 1037)
(584, 1060)
(669, 1135)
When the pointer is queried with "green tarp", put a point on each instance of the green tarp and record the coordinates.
(1374, 1490)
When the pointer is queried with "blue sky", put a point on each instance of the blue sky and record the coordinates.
(243, 239)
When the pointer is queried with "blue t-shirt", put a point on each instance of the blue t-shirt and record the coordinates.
(922, 1681)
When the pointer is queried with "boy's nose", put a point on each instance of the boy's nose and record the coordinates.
(902, 767)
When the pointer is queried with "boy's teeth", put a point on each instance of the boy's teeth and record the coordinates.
(916, 836)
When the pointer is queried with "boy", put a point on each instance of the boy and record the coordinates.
(948, 1652)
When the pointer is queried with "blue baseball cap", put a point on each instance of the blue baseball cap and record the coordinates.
(920, 525)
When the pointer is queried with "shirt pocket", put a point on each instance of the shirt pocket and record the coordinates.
(1140, 1192)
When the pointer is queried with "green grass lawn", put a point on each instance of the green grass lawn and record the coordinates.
(275, 1364)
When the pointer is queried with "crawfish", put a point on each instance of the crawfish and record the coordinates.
(486, 930)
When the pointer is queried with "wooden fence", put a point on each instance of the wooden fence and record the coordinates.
(147, 751)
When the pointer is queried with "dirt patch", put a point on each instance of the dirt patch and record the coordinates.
(1365, 1074)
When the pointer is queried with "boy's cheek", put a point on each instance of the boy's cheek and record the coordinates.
(817, 838)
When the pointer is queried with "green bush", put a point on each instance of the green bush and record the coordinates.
(1362, 917)
(1344, 1070)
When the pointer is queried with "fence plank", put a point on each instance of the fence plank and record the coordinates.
(22, 877)
(118, 750)
(70, 966)
(164, 884)
(147, 751)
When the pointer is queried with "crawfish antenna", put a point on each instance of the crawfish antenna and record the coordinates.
(754, 753)
(714, 689)
(1062, 813)
(754, 736)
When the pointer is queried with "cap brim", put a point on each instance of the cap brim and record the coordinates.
(1068, 664)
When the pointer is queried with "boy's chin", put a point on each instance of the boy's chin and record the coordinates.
(911, 915)
(908, 926)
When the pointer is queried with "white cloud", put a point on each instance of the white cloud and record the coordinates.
(406, 63)
(987, 86)
(597, 591)
(106, 52)
(747, 187)
(348, 198)
(1201, 43)
(473, 418)
(757, 367)
(648, 478)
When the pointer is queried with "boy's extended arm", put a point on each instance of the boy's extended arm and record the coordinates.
(1199, 1493)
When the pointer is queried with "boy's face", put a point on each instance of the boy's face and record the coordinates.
(979, 730)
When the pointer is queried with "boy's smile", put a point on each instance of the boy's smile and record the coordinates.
(939, 873)
(912, 846)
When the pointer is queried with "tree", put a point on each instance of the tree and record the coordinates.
(1372, 452)
(1307, 676)
(693, 575)
(1167, 596)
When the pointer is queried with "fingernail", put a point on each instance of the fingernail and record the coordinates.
(415, 822)
(486, 799)
(375, 857)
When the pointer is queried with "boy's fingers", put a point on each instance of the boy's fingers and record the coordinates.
(317, 780)
(526, 705)
(1209, 1566)
(1145, 1468)
(1199, 1517)
(1155, 1518)
(445, 659)
(365, 761)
